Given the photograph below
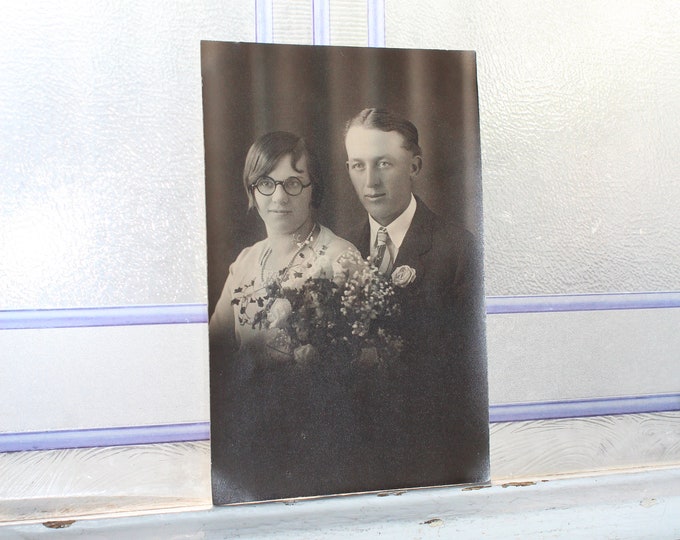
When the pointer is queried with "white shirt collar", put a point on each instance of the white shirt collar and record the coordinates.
(398, 228)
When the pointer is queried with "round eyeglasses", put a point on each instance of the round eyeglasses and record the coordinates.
(267, 186)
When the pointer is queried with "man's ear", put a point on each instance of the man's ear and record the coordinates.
(347, 165)
(416, 165)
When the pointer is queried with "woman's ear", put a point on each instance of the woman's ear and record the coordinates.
(253, 205)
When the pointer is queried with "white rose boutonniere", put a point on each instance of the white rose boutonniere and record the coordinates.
(403, 275)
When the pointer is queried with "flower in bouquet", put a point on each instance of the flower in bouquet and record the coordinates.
(304, 354)
(279, 312)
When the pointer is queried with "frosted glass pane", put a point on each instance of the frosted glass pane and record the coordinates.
(349, 22)
(566, 356)
(292, 21)
(101, 150)
(579, 124)
(83, 378)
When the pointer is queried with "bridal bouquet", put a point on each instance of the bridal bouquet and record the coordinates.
(341, 310)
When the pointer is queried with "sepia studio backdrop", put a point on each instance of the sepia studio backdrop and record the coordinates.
(250, 89)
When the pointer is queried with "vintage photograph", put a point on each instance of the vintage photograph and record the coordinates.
(345, 279)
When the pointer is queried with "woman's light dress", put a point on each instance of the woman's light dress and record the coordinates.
(277, 412)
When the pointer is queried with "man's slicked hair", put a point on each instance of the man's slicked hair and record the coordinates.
(386, 120)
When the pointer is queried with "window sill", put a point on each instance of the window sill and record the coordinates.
(641, 504)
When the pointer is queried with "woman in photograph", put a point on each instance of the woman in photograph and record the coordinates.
(275, 396)
(284, 185)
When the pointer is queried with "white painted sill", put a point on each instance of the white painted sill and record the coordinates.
(642, 504)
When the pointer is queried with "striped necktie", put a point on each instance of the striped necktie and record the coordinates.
(383, 257)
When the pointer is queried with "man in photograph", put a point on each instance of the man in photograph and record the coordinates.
(427, 423)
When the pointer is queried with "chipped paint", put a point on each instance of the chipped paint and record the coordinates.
(59, 524)
(518, 484)
(388, 493)
(475, 488)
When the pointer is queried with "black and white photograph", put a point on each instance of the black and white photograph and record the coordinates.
(345, 270)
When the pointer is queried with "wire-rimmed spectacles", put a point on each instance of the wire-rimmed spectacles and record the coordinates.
(292, 185)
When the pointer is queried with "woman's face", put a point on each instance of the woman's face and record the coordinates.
(283, 213)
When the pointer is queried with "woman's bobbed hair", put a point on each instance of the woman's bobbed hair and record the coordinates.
(266, 152)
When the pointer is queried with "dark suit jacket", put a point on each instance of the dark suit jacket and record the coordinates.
(426, 422)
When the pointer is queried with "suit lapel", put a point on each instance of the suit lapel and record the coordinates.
(418, 239)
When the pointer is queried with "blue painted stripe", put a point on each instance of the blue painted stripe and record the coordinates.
(199, 431)
(321, 22)
(103, 316)
(264, 21)
(581, 302)
(198, 313)
(376, 23)
(580, 408)
(87, 438)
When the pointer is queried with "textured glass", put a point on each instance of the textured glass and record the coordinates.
(562, 356)
(349, 24)
(580, 123)
(101, 150)
(552, 447)
(117, 376)
(293, 21)
(151, 477)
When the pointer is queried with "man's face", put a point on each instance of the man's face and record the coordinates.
(381, 170)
